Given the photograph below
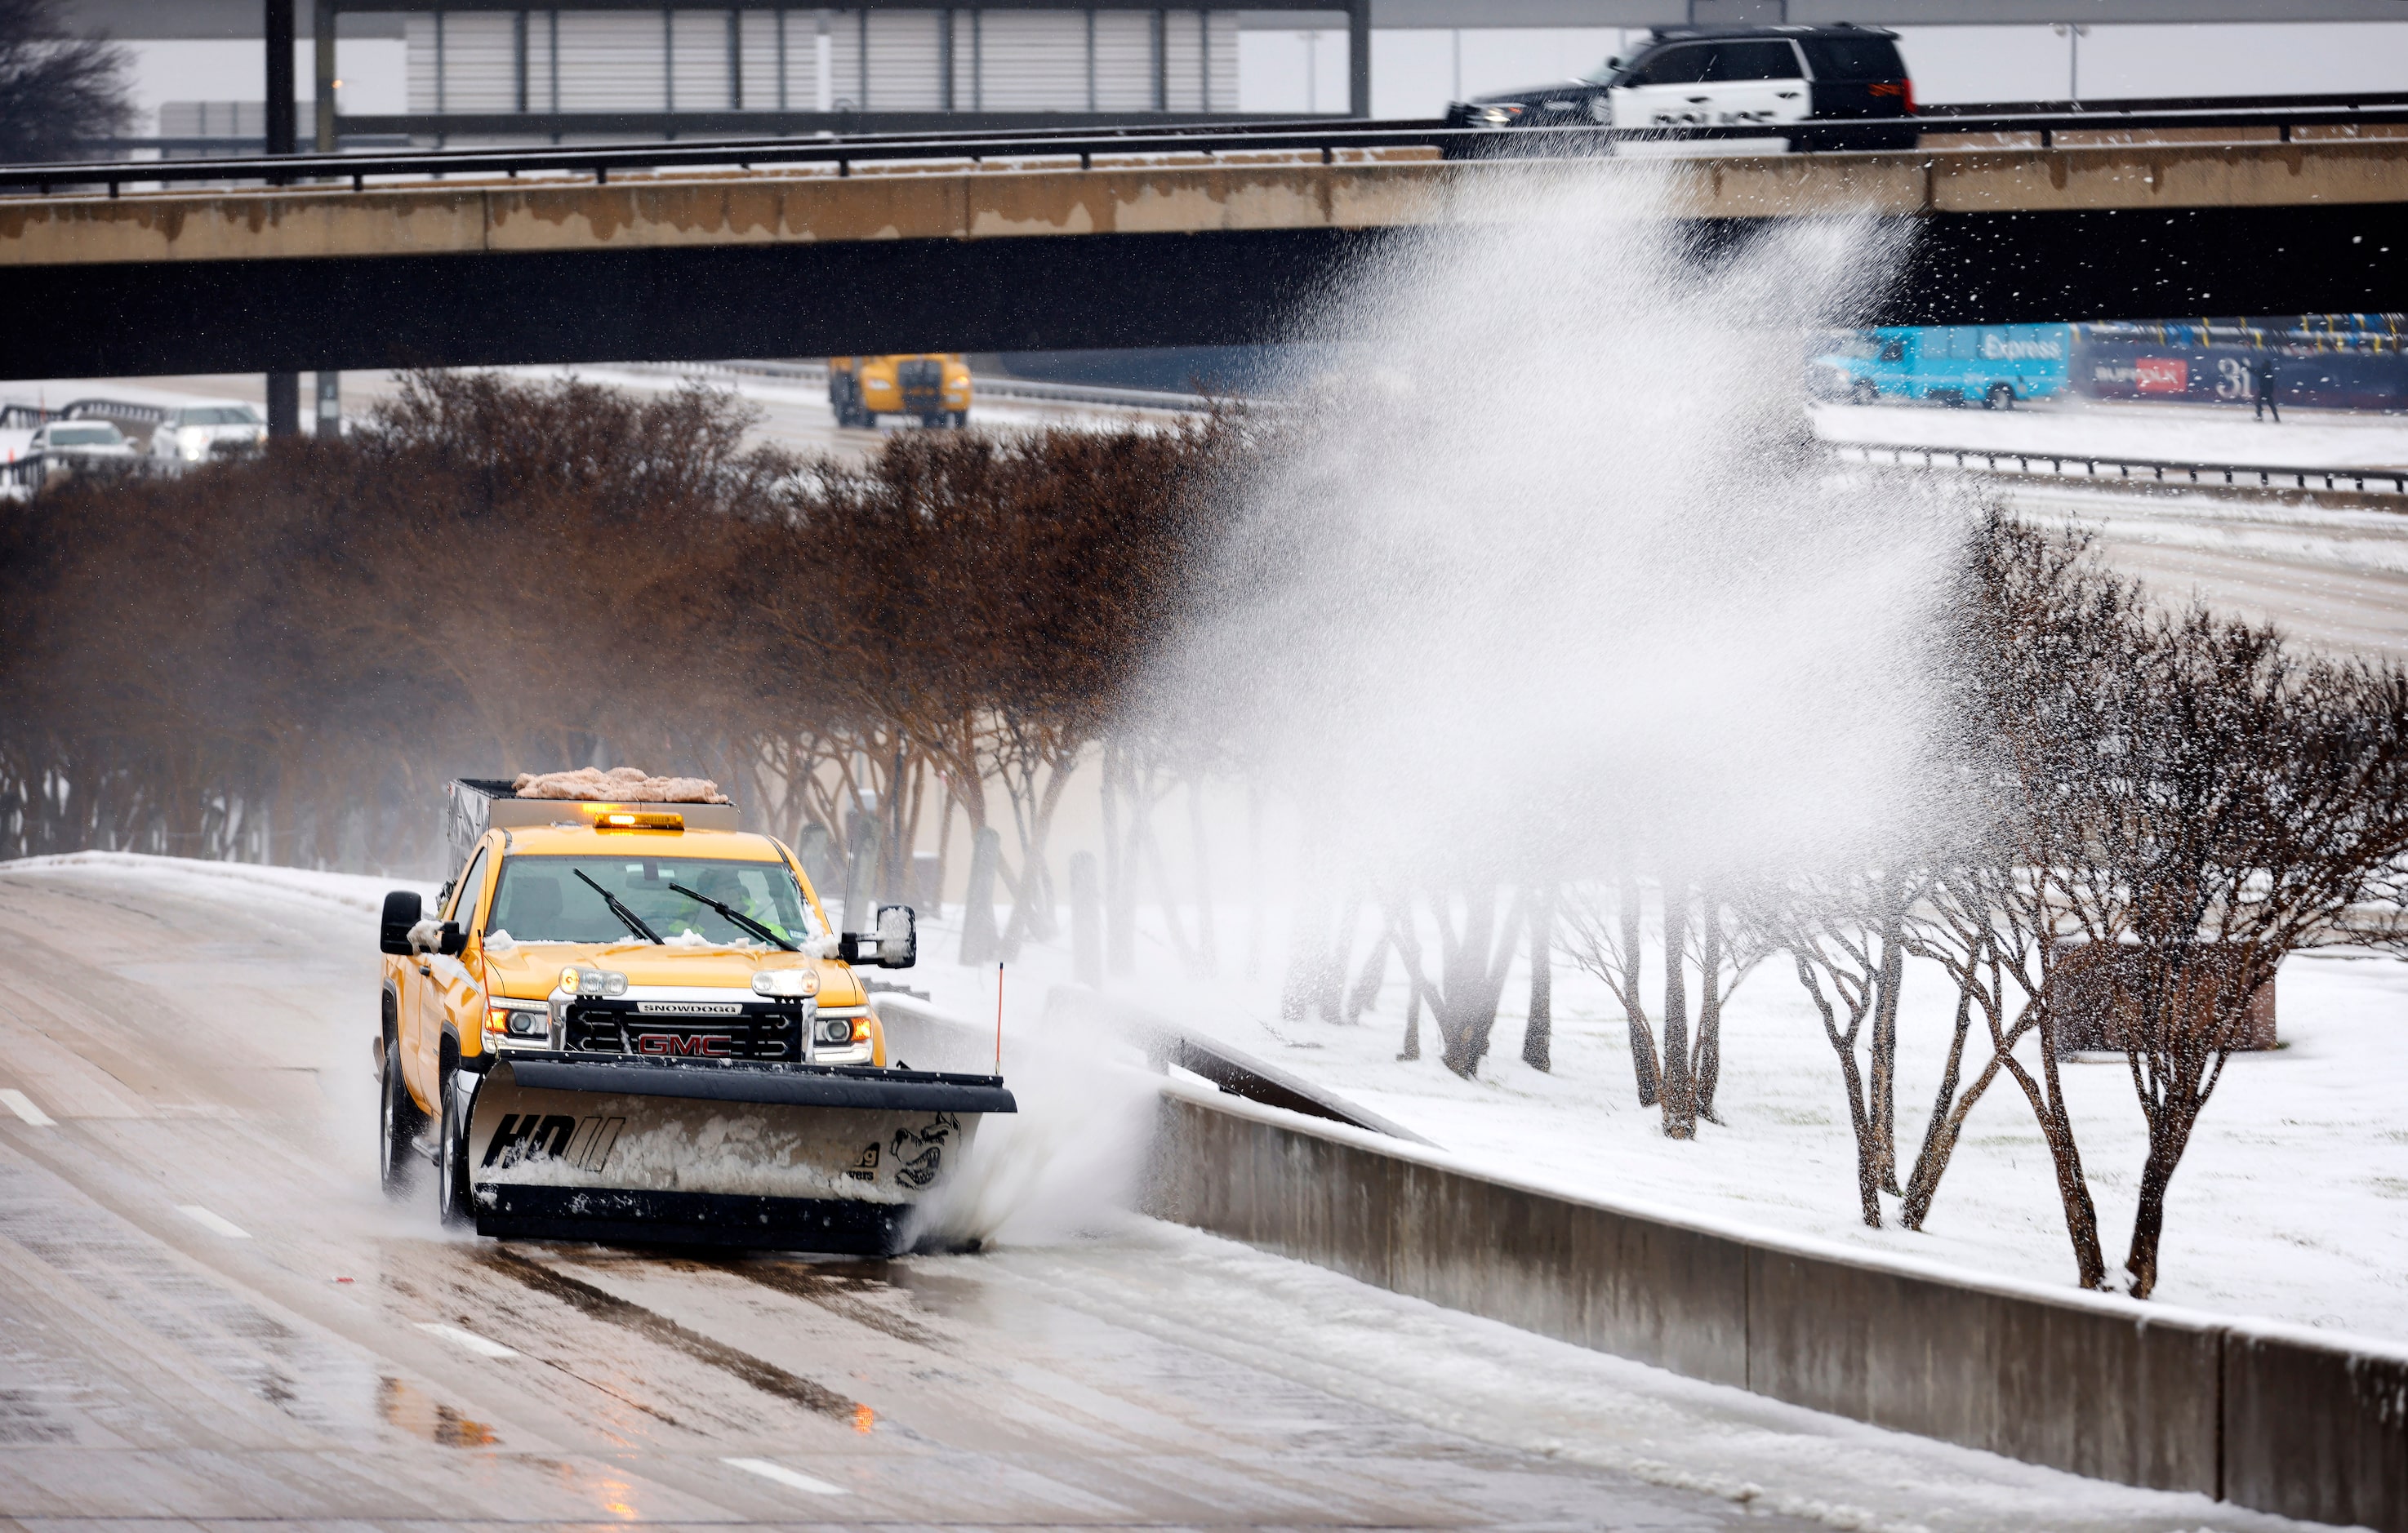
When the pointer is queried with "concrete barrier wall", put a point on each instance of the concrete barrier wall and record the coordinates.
(2316, 1430)
(2282, 1422)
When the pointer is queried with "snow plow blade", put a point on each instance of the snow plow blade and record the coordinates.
(777, 1157)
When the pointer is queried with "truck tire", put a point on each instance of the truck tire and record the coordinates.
(452, 1205)
(2002, 397)
(398, 1125)
(961, 418)
(1863, 392)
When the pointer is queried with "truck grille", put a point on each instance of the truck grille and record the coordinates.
(923, 383)
(668, 1030)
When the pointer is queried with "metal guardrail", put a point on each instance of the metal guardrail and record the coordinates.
(1323, 137)
(2118, 469)
(2361, 99)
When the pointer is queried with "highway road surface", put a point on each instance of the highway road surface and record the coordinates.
(210, 1318)
(205, 1313)
(2330, 568)
(2331, 574)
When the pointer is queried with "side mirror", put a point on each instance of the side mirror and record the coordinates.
(899, 937)
(453, 941)
(402, 910)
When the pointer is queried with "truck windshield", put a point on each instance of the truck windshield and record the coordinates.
(542, 900)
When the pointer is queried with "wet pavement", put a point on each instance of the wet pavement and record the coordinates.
(209, 1315)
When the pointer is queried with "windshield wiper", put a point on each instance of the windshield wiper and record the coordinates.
(763, 933)
(618, 909)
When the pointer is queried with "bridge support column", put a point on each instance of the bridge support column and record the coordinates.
(1358, 58)
(330, 404)
(280, 31)
(322, 35)
(285, 403)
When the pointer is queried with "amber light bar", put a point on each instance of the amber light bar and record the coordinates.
(619, 819)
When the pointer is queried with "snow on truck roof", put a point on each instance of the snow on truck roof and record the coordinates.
(589, 800)
(621, 784)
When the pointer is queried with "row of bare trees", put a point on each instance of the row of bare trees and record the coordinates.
(282, 659)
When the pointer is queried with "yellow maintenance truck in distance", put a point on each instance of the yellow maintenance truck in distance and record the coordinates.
(932, 386)
(627, 1020)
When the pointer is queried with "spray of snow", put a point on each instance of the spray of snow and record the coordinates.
(1554, 563)
(1069, 1162)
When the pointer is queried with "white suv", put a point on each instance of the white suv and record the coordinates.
(196, 433)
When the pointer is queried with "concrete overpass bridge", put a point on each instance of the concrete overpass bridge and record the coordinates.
(811, 247)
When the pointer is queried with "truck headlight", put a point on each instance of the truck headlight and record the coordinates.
(786, 981)
(518, 1021)
(593, 981)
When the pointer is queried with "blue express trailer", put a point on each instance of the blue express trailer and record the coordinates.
(1993, 366)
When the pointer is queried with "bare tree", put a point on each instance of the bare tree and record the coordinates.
(1843, 932)
(2254, 799)
(59, 93)
(1476, 950)
(1604, 932)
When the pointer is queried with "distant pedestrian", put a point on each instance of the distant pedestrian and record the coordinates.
(2261, 379)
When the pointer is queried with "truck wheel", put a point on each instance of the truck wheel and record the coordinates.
(452, 1203)
(2002, 397)
(1863, 392)
(961, 418)
(398, 1125)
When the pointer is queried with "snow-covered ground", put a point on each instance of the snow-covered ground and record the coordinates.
(2292, 1203)
(2306, 438)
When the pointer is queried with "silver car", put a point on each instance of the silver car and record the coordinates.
(63, 448)
(198, 432)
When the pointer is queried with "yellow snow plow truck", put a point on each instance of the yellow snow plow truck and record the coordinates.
(932, 386)
(627, 1020)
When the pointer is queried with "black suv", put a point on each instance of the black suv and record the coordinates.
(1813, 87)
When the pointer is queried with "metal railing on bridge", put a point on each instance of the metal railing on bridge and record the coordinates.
(2281, 118)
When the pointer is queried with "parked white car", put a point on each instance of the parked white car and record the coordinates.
(193, 433)
(61, 448)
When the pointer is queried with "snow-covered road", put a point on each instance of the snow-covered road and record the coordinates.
(207, 1311)
(2331, 569)
(2336, 577)
(2305, 439)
